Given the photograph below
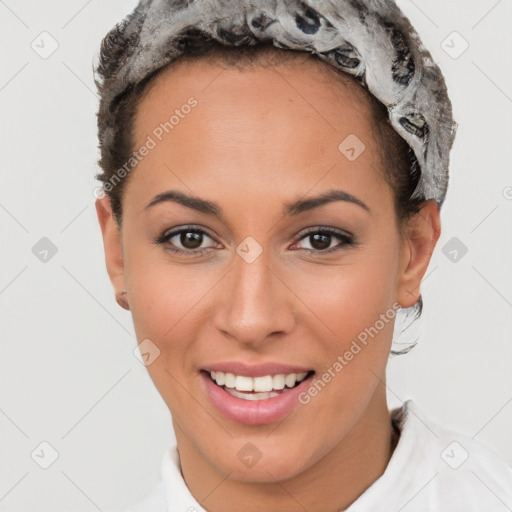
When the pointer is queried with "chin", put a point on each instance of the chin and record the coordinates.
(262, 465)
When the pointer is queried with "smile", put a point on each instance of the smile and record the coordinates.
(257, 388)
(266, 397)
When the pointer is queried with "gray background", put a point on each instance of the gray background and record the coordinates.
(68, 373)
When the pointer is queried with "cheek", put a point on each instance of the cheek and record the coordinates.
(162, 297)
(353, 304)
(166, 308)
(350, 297)
(157, 291)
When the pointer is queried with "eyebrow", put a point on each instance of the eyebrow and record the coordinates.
(290, 209)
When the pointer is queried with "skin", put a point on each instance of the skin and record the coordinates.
(258, 139)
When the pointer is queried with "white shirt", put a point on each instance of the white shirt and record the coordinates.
(432, 469)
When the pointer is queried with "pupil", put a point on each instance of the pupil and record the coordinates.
(191, 240)
(324, 241)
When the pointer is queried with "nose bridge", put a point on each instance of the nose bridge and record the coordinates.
(254, 302)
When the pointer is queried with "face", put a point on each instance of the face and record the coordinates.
(255, 276)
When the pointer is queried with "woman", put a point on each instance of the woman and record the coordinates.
(274, 173)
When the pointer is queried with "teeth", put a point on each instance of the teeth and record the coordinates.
(289, 380)
(244, 383)
(229, 379)
(219, 378)
(278, 381)
(262, 385)
(252, 396)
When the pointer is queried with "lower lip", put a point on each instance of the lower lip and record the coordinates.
(254, 412)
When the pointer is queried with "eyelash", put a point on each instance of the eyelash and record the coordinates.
(348, 240)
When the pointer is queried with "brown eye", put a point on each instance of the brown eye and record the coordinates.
(320, 240)
(188, 241)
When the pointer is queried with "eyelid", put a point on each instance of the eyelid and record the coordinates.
(328, 229)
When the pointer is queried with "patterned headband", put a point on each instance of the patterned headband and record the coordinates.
(369, 39)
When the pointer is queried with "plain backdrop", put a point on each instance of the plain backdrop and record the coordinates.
(69, 377)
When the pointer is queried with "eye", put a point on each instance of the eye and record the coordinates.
(320, 240)
(187, 240)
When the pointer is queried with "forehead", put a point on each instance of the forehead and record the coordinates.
(286, 127)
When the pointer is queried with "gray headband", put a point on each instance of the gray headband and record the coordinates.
(369, 39)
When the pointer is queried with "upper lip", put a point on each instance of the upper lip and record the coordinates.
(255, 370)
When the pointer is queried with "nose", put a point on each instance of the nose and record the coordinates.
(254, 303)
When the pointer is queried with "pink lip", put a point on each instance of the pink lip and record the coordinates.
(254, 412)
(257, 370)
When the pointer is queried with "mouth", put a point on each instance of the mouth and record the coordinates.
(255, 400)
(257, 388)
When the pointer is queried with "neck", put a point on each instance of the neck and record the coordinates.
(332, 484)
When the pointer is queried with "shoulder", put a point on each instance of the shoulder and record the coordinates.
(468, 474)
(435, 468)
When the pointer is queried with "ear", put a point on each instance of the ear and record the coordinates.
(421, 234)
(112, 244)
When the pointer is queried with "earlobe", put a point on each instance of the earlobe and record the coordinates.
(113, 249)
(421, 235)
